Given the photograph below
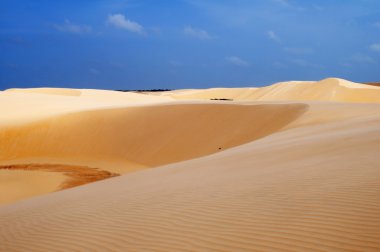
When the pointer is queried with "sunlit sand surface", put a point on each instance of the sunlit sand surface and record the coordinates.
(290, 167)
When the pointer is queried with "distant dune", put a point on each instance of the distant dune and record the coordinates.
(331, 89)
(289, 167)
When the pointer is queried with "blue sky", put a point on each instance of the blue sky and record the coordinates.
(143, 44)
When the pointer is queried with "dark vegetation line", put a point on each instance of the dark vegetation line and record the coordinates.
(373, 83)
(221, 99)
(143, 90)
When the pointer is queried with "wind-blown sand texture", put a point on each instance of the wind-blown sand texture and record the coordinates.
(289, 167)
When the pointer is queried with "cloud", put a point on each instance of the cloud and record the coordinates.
(375, 47)
(377, 24)
(273, 36)
(299, 50)
(362, 58)
(196, 33)
(237, 61)
(72, 28)
(119, 21)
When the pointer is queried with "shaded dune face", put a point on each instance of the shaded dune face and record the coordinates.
(149, 135)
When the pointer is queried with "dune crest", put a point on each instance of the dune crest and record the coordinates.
(22, 106)
(50, 91)
(330, 89)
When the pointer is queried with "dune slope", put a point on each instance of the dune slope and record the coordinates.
(309, 188)
(262, 172)
(148, 135)
(129, 138)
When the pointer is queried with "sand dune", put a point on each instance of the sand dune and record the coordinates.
(273, 194)
(126, 138)
(264, 172)
(331, 89)
(214, 93)
(51, 91)
(147, 136)
(19, 106)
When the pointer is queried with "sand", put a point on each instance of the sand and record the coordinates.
(24, 181)
(331, 89)
(16, 184)
(264, 172)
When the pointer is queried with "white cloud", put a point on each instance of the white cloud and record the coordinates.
(196, 33)
(375, 47)
(72, 28)
(237, 61)
(119, 21)
(362, 58)
(299, 50)
(273, 36)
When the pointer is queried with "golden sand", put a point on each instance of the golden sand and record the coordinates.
(289, 167)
